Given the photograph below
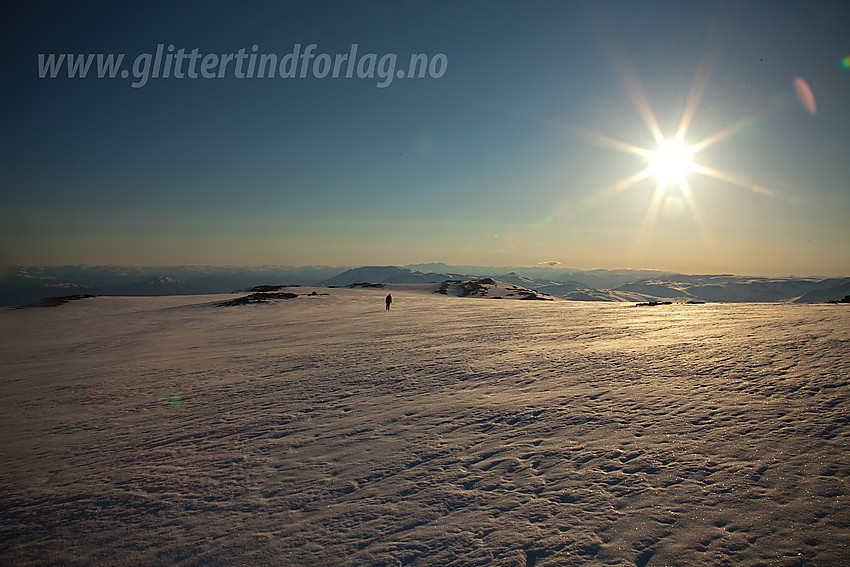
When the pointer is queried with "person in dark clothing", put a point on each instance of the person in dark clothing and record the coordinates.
(389, 300)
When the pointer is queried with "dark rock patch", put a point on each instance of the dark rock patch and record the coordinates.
(55, 301)
(259, 297)
(268, 288)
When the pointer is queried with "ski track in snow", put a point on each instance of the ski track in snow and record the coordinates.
(449, 431)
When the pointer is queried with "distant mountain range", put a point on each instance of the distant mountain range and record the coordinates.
(385, 274)
(25, 285)
(618, 285)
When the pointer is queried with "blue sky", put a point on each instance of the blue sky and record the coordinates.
(504, 159)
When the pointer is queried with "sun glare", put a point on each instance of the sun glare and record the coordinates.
(670, 162)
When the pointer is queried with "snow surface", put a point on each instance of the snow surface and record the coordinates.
(324, 430)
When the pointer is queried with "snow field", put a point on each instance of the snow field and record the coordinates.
(449, 431)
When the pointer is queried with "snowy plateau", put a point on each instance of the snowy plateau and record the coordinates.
(315, 427)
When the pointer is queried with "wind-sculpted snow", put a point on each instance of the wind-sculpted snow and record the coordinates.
(325, 430)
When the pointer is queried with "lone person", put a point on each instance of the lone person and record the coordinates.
(389, 300)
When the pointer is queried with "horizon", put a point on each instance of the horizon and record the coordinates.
(685, 138)
(30, 286)
(418, 266)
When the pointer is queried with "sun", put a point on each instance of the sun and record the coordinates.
(670, 162)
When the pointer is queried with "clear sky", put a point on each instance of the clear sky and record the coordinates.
(524, 142)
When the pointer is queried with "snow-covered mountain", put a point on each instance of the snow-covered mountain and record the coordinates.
(487, 287)
(737, 289)
(549, 287)
(678, 287)
(590, 279)
(384, 274)
(827, 290)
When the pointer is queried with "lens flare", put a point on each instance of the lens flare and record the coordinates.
(805, 95)
(513, 239)
(673, 207)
